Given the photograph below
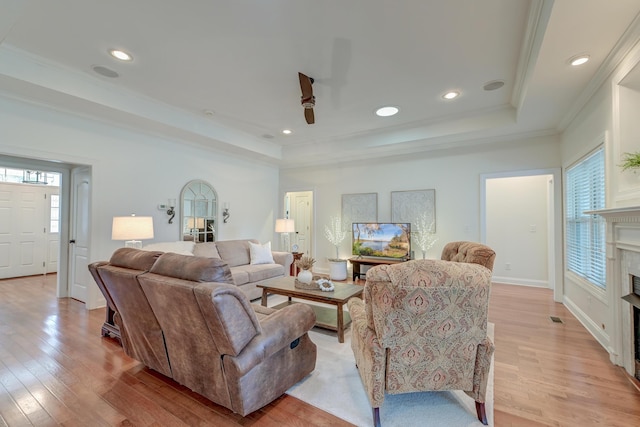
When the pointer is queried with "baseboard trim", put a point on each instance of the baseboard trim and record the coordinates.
(521, 282)
(593, 328)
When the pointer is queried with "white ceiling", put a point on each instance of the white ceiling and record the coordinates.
(223, 74)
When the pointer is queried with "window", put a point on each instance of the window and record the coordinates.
(54, 226)
(585, 191)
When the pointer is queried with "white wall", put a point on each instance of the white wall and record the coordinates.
(600, 121)
(516, 225)
(455, 175)
(133, 173)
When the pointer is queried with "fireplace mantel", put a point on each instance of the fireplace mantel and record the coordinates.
(623, 259)
(630, 214)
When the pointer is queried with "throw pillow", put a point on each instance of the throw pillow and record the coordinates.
(261, 254)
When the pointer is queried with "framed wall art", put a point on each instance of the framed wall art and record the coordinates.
(362, 207)
(407, 206)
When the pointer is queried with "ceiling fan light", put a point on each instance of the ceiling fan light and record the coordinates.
(387, 111)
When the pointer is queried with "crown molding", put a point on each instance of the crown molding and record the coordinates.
(538, 19)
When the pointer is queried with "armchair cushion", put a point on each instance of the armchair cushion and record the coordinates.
(469, 252)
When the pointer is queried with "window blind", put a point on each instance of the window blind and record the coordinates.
(585, 191)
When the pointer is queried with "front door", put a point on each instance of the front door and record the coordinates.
(22, 229)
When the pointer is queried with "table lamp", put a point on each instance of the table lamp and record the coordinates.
(285, 225)
(133, 229)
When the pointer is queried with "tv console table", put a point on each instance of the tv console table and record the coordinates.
(357, 262)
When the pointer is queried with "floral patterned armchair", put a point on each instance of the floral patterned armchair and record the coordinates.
(423, 326)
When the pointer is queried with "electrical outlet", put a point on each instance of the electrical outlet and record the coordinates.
(532, 228)
(507, 266)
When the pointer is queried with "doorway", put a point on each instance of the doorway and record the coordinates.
(298, 205)
(521, 218)
(65, 274)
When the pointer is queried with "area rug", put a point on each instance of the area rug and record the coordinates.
(335, 387)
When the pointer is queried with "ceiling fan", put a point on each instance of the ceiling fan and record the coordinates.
(307, 99)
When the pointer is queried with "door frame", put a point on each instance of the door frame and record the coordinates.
(64, 169)
(312, 212)
(555, 256)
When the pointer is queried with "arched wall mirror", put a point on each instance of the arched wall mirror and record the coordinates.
(199, 213)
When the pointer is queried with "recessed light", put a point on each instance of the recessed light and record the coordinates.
(120, 54)
(287, 131)
(451, 94)
(579, 60)
(387, 111)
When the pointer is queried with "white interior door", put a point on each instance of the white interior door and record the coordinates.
(22, 230)
(79, 275)
(301, 205)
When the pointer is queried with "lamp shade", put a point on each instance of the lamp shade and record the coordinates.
(132, 228)
(285, 226)
(195, 223)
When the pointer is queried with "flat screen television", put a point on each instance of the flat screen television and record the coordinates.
(381, 239)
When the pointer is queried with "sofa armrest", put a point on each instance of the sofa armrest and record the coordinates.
(283, 258)
(279, 330)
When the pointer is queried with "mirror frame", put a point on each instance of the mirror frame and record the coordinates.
(197, 233)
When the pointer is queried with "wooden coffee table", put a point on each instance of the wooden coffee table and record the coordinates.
(326, 317)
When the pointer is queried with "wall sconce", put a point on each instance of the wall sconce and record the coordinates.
(133, 229)
(225, 212)
(171, 211)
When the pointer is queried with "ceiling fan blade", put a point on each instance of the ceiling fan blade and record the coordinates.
(308, 115)
(305, 86)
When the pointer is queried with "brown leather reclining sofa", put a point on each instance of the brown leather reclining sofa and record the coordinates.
(182, 316)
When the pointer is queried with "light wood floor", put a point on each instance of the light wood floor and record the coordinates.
(55, 369)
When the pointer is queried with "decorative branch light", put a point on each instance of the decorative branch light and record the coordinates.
(424, 237)
(335, 233)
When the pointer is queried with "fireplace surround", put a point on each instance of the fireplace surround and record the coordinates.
(623, 263)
